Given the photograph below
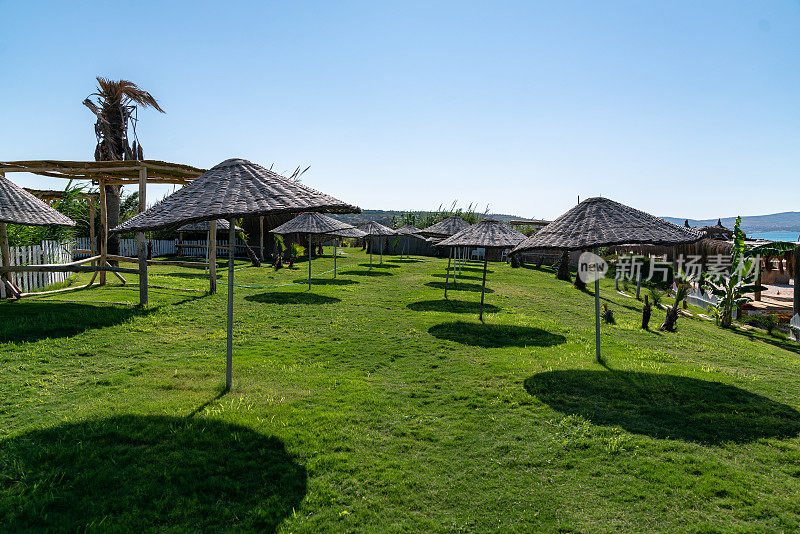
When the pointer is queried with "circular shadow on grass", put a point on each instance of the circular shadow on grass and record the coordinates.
(368, 273)
(460, 276)
(286, 297)
(665, 406)
(495, 335)
(404, 261)
(376, 265)
(459, 286)
(452, 306)
(137, 473)
(326, 281)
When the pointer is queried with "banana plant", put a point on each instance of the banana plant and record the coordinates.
(733, 288)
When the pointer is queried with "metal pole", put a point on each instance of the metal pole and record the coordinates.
(447, 276)
(371, 246)
(212, 257)
(483, 287)
(309, 261)
(229, 360)
(597, 318)
(140, 244)
(381, 237)
(335, 242)
(796, 307)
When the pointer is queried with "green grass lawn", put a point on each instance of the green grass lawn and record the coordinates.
(371, 404)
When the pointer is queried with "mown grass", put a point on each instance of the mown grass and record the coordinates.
(372, 404)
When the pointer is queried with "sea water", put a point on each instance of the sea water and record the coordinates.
(775, 236)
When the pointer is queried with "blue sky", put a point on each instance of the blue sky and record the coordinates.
(689, 109)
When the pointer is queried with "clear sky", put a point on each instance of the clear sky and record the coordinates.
(689, 109)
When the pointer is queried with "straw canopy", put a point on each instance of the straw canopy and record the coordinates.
(600, 222)
(373, 228)
(17, 206)
(205, 226)
(409, 230)
(348, 232)
(311, 223)
(234, 188)
(488, 233)
(445, 227)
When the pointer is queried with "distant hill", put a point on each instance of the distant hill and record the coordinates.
(788, 221)
(387, 217)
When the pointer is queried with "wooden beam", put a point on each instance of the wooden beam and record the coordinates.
(34, 268)
(5, 250)
(212, 257)
(175, 263)
(140, 244)
(92, 218)
(66, 268)
(103, 231)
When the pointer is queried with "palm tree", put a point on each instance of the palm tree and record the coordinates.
(115, 106)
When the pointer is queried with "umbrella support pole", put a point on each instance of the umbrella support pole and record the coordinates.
(483, 287)
(309, 262)
(229, 358)
(597, 320)
(381, 250)
(371, 246)
(447, 276)
(335, 242)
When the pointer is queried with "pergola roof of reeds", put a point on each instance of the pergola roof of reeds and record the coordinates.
(372, 228)
(311, 223)
(445, 227)
(205, 226)
(487, 233)
(599, 222)
(121, 172)
(17, 206)
(233, 189)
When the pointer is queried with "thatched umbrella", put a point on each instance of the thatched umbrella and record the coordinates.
(312, 224)
(17, 206)
(372, 229)
(488, 233)
(444, 229)
(409, 230)
(234, 188)
(600, 222)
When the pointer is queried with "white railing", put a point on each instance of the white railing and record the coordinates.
(46, 252)
(166, 247)
(702, 300)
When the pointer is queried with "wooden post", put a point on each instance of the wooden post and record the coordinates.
(382, 243)
(597, 318)
(483, 287)
(141, 246)
(5, 252)
(447, 276)
(229, 359)
(103, 231)
(371, 246)
(757, 296)
(309, 261)
(212, 256)
(92, 237)
(335, 242)
(638, 282)
(261, 236)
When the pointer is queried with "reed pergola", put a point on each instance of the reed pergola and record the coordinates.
(487, 233)
(18, 206)
(103, 173)
(601, 222)
(312, 223)
(232, 189)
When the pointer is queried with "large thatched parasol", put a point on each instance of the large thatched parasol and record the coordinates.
(488, 233)
(372, 229)
(205, 226)
(17, 206)
(313, 224)
(599, 222)
(234, 188)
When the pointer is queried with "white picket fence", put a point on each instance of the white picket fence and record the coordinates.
(47, 252)
(166, 247)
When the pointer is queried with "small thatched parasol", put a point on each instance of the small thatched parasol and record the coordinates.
(488, 233)
(372, 229)
(234, 188)
(599, 222)
(313, 223)
(409, 230)
(445, 227)
(17, 206)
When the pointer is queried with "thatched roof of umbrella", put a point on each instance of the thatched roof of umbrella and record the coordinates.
(233, 189)
(17, 206)
(445, 227)
(374, 228)
(348, 232)
(409, 230)
(205, 226)
(311, 223)
(599, 222)
(487, 233)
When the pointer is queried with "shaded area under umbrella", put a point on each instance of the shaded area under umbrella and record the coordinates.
(372, 229)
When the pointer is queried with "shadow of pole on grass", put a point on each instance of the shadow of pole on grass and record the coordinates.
(665, 406)
(142, 473)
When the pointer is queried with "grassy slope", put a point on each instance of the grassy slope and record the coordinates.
(371, 404)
